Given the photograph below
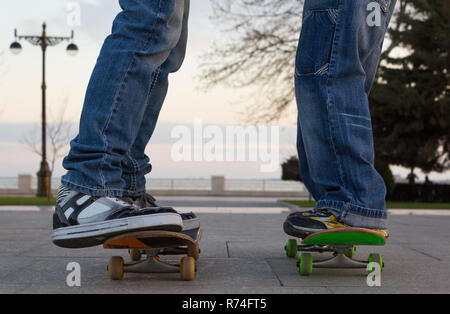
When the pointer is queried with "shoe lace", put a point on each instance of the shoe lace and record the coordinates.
(146, 200)
(125, 201)
(318, 212)
(62, 193)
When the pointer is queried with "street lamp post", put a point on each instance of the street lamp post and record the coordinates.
(44, 41)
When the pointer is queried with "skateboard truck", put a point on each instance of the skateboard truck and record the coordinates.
(153, 244)
(341, 258)
(151, 264)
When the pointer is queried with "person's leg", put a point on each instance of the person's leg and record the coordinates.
(136, 164)
(316, 190)
(91, 206)
(119, 92)
(338, 54)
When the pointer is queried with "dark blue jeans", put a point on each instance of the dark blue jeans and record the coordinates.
(124, 97)
(338, 55)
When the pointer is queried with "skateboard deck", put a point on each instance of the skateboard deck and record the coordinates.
(346, 236)
(342, 243)
(154, 244)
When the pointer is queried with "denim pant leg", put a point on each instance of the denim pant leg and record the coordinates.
(118, 94)
(136, 163)
(337, 58)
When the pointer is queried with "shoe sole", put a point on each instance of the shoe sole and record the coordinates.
(93, 234)
(190, 224)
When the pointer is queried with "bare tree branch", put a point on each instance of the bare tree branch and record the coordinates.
(59, 133)
(258, 52)
(32, 140)
(3, 71)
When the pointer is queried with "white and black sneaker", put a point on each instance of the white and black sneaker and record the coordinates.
(82, 220)
(190, 220)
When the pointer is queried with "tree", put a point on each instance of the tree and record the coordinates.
(410, 100)
(290, 169)
(59, 134)
(258, 52)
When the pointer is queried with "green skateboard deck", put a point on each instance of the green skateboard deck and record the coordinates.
(346, 236)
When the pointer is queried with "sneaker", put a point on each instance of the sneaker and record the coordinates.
(190, 220)
(302, 224)
(82, 220)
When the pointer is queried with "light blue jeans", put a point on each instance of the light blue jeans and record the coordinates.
(338, 55)
(124, 97)
(336, 63)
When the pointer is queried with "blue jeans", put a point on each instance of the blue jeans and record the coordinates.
(336, 63)
(124, 97)
(338, 55)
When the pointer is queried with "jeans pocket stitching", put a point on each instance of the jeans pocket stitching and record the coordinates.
(323, 70)
(384, 5)
(333, 14)
(306, 16)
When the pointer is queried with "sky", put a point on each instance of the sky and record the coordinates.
(68, 76)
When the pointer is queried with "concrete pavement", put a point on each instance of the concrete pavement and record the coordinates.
(242, 252)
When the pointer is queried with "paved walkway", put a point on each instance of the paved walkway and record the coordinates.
(242, 252)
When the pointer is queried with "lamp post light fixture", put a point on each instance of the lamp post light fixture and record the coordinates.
(16, 48)
(44, 41)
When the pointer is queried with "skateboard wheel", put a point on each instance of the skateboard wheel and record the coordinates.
(194, 251)
(115, 268)
(291, 248)
(305, 265)
(187, 268)
(350, 253)
(135, 254)
(376, 258)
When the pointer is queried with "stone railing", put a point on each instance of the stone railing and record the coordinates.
(24, 185)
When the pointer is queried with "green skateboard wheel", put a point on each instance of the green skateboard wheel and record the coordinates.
(376, 258)
(305, 265)
(291, 248)
(350, 253)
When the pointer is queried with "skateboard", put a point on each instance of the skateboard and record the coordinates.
(341, 242)
(153, 244)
